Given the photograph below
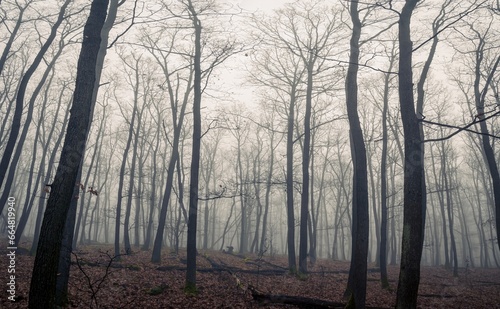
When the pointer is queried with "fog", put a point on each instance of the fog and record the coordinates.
(274, 105)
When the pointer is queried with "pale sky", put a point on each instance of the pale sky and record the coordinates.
(265, 5)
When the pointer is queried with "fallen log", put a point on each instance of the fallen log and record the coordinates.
(299, 301)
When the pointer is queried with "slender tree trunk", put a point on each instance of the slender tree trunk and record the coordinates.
(152, 197)
(383, 178)
(12, 37)
(292, 264)
(449, 203)
(122, 178)
(489, 154)
(195, 155)
(306, 155)
(19, 107)
(360, 226)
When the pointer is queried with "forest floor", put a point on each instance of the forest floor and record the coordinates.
(234, 281)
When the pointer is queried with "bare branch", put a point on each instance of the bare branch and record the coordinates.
(460, 17)
(477, 120)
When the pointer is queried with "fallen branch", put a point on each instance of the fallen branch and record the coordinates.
(299, 301)
(265, 299)
(436, 295)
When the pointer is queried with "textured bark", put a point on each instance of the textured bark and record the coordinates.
(43, 281)
(413, 221)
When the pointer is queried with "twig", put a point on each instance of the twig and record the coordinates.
(94, 290)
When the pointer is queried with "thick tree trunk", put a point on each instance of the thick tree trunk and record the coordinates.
(413, 221)
(43, 281)
(66, 249)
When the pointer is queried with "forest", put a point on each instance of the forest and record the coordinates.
(307, 153)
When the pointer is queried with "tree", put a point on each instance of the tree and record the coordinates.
(19, 107)
(312, 44)
(360, 225)
(135, 84)
(414, 187)
(177, 122)
(383, 174)
(216, 54)
(195, 152)
(43, 282)
(480, 93)
(297, 43)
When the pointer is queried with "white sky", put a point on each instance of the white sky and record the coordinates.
(264, 5)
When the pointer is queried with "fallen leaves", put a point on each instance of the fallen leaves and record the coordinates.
(223, 281)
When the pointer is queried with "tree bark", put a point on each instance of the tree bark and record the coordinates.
(413, 221)
(360, 226)
(43, 281)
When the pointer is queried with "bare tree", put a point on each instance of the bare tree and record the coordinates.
(43, 281)
(360, 226)
(413, 220)
(21, 93)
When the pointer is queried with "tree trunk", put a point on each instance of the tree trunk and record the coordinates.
(152, 197)
(292, 264)
(195, 155)
(383, 177)
(360, 226)
(413, 221)
(19, 107)
(66, 249)
(43, 281)
(306, 155)
(489, 154)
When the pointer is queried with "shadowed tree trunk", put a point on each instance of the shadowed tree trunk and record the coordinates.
(43, 281)
(292, 264)
(489, 153)
(356, 285)
(413, 220)
(195, 154)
